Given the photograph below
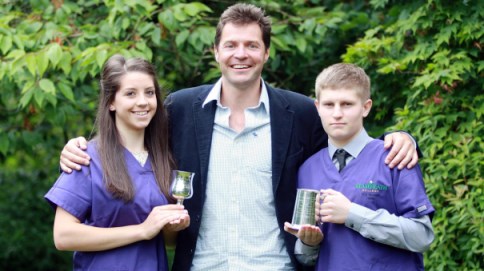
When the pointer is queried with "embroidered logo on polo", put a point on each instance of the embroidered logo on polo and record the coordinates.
(371, 187)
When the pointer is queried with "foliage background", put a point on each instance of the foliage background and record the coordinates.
(424, 58)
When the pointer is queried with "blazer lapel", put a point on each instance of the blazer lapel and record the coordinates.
(203, 119)
(281, 129)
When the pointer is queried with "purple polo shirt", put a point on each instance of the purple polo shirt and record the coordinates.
(83, 194)
(367, 181)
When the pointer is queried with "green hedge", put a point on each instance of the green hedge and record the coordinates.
(433, 54)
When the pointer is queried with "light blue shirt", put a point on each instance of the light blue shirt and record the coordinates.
(239, 229)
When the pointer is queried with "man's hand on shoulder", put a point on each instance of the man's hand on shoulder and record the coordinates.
(73, 155)
(403, 150)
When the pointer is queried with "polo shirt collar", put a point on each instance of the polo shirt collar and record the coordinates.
(355, 146)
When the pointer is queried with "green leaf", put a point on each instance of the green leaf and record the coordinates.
(27, 85)
(31, 61)
(47, 85)
(54, 53)
(168, 19)
(42, 62)
(181, 37)
(51, 99)
(31, 138)
(179, 13)
(194, 40)
(33, 27)
(25, 99)
(144, 28)
(39, 97)
(308, 25)
(272, 53)
(278, 28)
(378, 3)
(66, 90)
(280, 44)
(5, 44)
(3, 69)
(125, 23)
(101, 57)
(4, 143)
(193, 9)
(65, 62)
(301, 44)
(16, 54)
(206, 34)
(156, 36)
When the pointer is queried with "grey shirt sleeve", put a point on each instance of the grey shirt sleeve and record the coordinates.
(414, 234)
(306, 255)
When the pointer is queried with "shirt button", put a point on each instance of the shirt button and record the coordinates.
(352, 225)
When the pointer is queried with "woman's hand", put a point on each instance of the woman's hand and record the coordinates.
(161, 217)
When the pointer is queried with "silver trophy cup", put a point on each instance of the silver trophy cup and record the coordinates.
(304, 209)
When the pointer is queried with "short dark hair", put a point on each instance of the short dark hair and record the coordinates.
(242, 14)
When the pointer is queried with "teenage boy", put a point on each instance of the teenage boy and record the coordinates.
(373, 217)
(245, 141)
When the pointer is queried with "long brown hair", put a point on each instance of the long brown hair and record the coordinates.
(111, 152)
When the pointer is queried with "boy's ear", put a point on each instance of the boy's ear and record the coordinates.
(316, 104)
(367, 107)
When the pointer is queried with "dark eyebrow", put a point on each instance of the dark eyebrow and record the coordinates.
(128, 89)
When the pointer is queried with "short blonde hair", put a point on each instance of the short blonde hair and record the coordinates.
(344, 76)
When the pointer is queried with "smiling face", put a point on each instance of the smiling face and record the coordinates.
(241, 55)
(342, 112)
(135, 102)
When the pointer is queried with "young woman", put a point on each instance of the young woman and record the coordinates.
(112, 212)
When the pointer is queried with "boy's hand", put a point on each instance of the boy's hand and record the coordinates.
(334, 207)
(403, 152)
(310, 235)
(73, 155)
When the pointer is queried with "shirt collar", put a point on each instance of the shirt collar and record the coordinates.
(354, 147)
(214, 95)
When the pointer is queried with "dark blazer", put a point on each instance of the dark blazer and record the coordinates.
(296, 131)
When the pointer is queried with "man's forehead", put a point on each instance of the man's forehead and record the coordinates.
(230, 27)
(250, 33)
